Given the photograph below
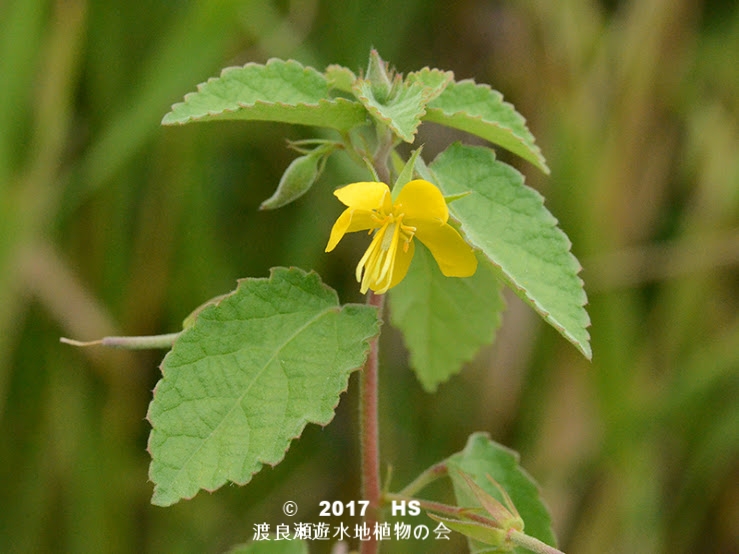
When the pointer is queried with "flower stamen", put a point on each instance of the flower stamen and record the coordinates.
(385, 263)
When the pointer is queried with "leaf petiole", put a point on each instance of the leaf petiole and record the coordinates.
(128, 343)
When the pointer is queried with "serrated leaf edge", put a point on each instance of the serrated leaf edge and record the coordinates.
(532, 147)
(520, 290)
(303, 422)
(584, 348)
(258, 103)
(433, 94)
(333, 83)
(243, 105)
(367, 102)
(515, 455)
(414, 354)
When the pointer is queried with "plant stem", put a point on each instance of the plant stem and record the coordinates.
(128, 343)
(369, 420)
(446, 509)
(369, 429)
(535, 545)
(433, 473)
(382, 155)
(519, 538)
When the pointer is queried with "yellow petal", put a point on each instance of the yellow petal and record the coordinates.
(454, 256)
(365, 195)
(349, 221)
(420, 200)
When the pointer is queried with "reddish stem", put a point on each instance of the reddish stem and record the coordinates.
(369, 428)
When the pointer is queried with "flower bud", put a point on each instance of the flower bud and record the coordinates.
(297, 179)
(377, 75)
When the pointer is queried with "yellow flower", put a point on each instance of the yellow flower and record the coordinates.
(419, 211)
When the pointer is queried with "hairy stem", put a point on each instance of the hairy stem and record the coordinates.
(513, 536)
(369, 428)
(382, 155)
(433, 473)
(446, 509)
(128, 343)
(530, 543)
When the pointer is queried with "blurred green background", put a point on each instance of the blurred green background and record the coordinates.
(111, 224)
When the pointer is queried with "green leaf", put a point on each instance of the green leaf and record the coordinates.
(454, 197)
(480, 110)
(480, 533)
(340, 77)
(434, 81)
(402, 112)
(406, 173)
(246, 378)
(509, 223)
(283, 91)
(271, 547)
(483, 457)
(190, 319)
(444, 320)
(502, 514)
